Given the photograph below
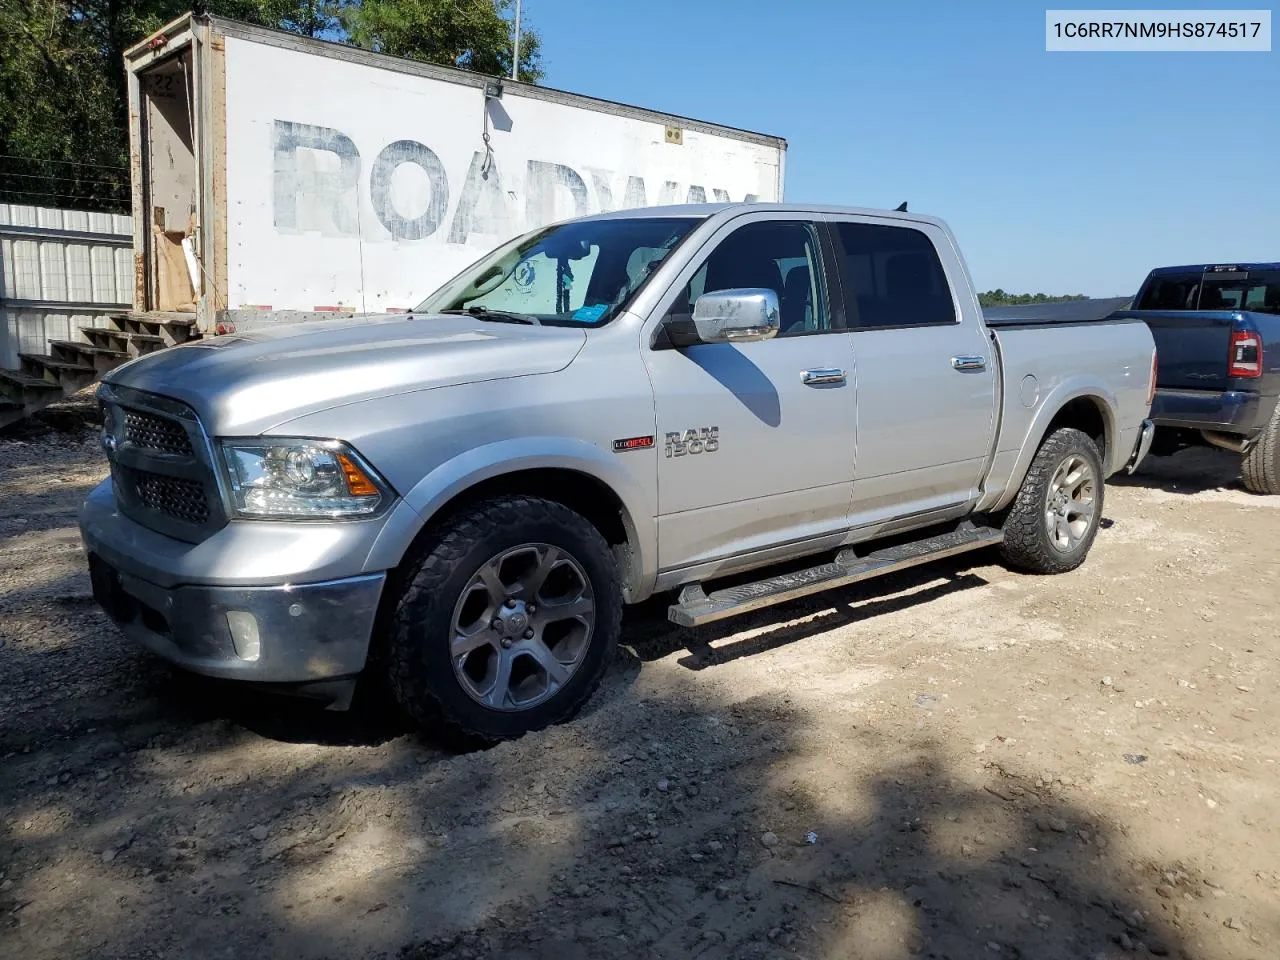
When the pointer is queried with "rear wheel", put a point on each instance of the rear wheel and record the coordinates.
(1261, 467)
(1055, 517)
(507, 622)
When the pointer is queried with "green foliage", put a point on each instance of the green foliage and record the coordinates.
(63, 89)
(998, 298)
(473, 34)
(61, 140)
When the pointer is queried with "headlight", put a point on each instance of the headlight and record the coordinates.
(301, 479)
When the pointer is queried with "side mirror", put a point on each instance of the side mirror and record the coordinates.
(735, 316)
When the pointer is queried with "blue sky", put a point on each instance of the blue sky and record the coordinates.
(1059, 172)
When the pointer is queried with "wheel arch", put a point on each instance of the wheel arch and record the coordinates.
(1091, 415)
(571, 473)
(1088, 407)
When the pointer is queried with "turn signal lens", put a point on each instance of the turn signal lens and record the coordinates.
(358, 482)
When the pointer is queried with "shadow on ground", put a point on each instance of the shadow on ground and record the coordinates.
(1194, 470)
(146, 814)
(647, 630)
(907, 860)
(669, 826)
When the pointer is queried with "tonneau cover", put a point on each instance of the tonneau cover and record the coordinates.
(1064, 311)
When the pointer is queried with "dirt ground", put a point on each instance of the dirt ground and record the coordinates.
(957, 763)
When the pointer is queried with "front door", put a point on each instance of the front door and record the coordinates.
(926, 371)
(756, 439)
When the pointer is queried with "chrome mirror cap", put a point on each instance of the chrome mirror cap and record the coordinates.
(736, 316)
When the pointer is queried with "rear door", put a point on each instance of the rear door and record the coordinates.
(925, 369)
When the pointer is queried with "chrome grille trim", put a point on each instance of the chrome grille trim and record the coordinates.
(162, 464)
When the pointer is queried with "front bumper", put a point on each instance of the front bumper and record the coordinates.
(1143, 446)
(292, 634)
(306, 592)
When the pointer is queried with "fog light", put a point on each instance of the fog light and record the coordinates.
(244, 634)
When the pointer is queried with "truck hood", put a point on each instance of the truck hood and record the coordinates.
(244, 384)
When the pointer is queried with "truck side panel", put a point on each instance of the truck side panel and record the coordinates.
(363, 189)
(1112, 370)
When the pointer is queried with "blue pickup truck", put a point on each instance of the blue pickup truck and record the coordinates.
(1217, 334)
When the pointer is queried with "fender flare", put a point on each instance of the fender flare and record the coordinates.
(517, 454)
(1083, 387)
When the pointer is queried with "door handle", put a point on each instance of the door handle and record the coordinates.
(821, 376)
(969, 363)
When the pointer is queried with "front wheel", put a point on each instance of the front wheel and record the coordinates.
(1055, 517)
(507, 622)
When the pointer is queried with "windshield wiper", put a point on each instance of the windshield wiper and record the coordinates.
(497, 316)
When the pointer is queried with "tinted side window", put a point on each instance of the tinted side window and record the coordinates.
(892, 277)
(782, 256)
(1173, 291)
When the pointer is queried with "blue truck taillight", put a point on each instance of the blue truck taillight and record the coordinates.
(1246, 354)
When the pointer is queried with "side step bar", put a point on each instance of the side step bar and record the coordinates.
(695, 607)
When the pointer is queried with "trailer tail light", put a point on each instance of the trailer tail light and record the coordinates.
(1151, 387)
(1246, 354)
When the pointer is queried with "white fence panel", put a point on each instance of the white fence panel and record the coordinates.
(60, 270)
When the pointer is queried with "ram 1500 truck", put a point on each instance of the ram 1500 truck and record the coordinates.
(680, 399)
(1217, 327)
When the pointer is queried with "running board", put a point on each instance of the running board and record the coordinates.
(696, 607)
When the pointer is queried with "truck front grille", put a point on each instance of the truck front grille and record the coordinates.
(161, 465)
(174, 497)
(156, 433)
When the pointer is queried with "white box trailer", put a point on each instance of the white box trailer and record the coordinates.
(278, 173)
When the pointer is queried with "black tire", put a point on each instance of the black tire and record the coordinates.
(1261, 467)
(420, 664)
(1027, 544)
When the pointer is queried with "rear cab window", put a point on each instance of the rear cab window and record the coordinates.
(1214, 289)
(1254, 290)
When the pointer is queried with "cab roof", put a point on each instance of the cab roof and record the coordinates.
(1210, 267)
(703, 211)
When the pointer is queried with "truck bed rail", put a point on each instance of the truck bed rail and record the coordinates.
(1061, 312)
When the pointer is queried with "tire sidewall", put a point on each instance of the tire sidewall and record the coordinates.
(1260, 467)
(423, 628)
(1069, 444)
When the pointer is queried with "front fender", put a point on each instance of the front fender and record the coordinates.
(516, 454)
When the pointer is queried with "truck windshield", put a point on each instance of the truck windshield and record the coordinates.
(1253, 290)
(574, 274)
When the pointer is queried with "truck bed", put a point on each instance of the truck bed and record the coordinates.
(1062, 312)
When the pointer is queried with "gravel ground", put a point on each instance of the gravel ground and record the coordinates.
(959, 762)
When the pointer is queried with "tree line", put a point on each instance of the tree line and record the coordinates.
(998, 298)
(63, 89)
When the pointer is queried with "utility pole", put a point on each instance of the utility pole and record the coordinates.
(515, 47)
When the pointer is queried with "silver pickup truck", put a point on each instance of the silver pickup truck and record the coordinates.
(461, 500)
